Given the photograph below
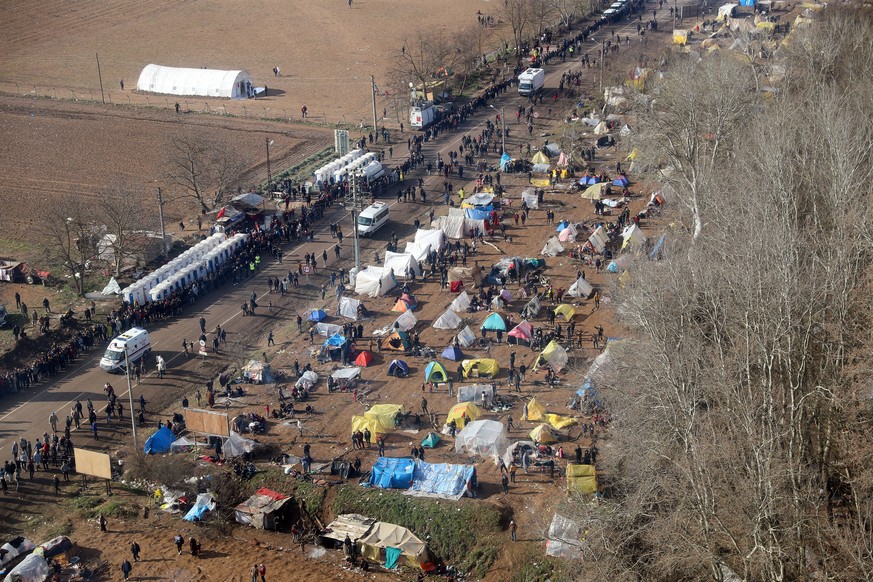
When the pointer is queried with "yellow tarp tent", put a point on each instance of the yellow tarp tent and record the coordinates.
(362, 422)
(540, 182)
(680, 36)
(581, 479)
(535, 410)
(386, 536)
(559, 422)
(540, 158)
(480, 368)
(459, 411)
(596, 191)
(554, 355)
(543, 434)
(384, 414)
(567, 310)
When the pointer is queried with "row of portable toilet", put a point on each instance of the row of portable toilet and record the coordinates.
(355, 165)
(327, 171)
(190, 266)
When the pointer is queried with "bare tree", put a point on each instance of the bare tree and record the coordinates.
(69, 238)
(203, 170)
(122, 213)
(518, 15)
(423, 55)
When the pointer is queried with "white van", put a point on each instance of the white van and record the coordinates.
(372, 218)
(135, 342)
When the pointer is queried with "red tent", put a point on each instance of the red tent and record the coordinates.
(364, 359)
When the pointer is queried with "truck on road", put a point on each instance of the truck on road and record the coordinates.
(531, 81)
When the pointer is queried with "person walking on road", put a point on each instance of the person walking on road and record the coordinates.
(513, 529)
(126, 568)
(270, 341)
(179, 541)
(134, 550)
(202, 325)
(53, 421)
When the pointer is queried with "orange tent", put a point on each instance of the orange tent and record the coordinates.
(364, 359)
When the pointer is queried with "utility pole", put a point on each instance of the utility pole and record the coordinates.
(268, 141)
(602, 58)
(130, 395)
(354, 194)
(375, 127)
(163, 228)
(100, 76)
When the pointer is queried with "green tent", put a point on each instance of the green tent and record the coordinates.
(431, 440)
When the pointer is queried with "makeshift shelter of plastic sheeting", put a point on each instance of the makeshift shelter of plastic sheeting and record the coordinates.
(374, 281)
(387, 543)
(567, 234)
(307, 380)
(441, 480)
(598, 239)
(182, 445)
(522, 332)
(348, 308)
(159, 442)
(518, 447)
(552, 248)
(405, 321)
(392, 473)
(461, 303)
(554, 355)
(327, 329)
(633, 237)
(466, 337)
(530, 199)
(262, 509)
(581, 479)
(434, 238)
(33, 568)
(257, 372)
(481, 394)
(385, 414)
(448, 320)
(564, 538)
(482, 438)
(346, 374)
(581, 288)
(235, 445)
(205, 502)
(13, 548)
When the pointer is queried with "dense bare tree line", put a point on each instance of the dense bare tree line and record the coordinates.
(741, 400)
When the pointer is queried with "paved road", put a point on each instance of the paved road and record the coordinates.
(27, 414)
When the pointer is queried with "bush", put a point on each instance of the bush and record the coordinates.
(85, 505)
(118, 509)
(167, 470)
(463, 534)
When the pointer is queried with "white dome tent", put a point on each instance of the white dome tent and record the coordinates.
(195, 82)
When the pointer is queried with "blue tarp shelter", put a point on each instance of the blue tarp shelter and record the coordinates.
(494, 322)
(205, 502)
(562, 225)
(435, 372)
(479, 213)
(452, 353)
(160, 441)
(398, 368)
(747, 2)
(504, 159)
(392, 473)
(317, 315)
(337, 340)
(441, 480)
(658, 246)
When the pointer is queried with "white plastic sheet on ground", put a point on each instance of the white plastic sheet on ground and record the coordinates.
(466, 337)
(374, 281)
(346, 373)
(581, 288)
(530, 199)
(564, 542)
(461, 303)
(552, 248)
(448, 320)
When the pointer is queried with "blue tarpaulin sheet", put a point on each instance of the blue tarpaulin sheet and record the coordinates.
(392, 556)
(336, 340)
(478, 214)
(160, 441)
(440, 480)
(392, 473)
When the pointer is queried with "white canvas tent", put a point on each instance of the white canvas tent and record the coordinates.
(461, 303)
(236, 445)
(466, 337)
(435, 238)
(453, 226)
(112, 288)
(403, 265)
(482, 437)
(374, 281)
(194, 82)
(448, 320)
(599, 239)
(33, 568)
(418, 251)
(309, 377)
(552, 248)
(581, 288)
(348, 308)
